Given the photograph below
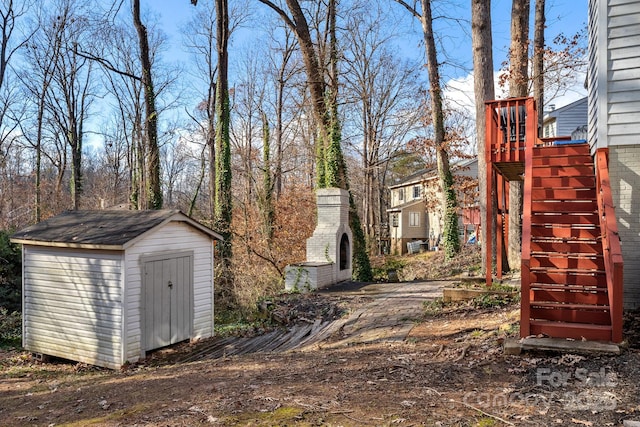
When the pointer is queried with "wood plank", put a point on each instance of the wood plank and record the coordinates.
(570, 262)
(562, 160)
(595, 317)
(563, 193)
(564, 206)
(561, 150)
(560, 171)
(564, 278)
(569, 296)
(569, 346)
(563, 181)
(575, 246)
(565, 231)
(567, 219)
(571, 330)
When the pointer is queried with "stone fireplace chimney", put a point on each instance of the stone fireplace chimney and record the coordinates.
(330, 247)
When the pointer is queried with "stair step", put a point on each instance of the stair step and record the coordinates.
(563, 171)
(574, 313)
(560, 160)
(564, 206)
(561, 193)
(569, 288)
(585, 247)
(565, 218)
(561, 150)
(565, 295)
(563, 181)
(576, 331)
(566, 231)
(564, 278)
(558, 261)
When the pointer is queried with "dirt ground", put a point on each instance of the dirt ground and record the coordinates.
(449, 370)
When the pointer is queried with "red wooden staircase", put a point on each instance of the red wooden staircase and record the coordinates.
(571, 272)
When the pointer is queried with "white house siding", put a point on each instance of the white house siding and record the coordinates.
(72, 304)
(624, 172)
(172, 237)
(571, 117)
(614, 57)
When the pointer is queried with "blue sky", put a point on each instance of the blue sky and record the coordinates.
(566, 16)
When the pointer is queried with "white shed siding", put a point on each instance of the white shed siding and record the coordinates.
(172, 237)
(72, 304)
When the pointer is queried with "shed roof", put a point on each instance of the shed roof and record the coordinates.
(103, 229)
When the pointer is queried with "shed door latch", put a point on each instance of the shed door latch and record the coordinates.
(170, 284)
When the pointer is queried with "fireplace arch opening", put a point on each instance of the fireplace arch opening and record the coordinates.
(345, 256)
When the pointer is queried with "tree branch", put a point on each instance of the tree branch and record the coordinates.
(409, 8)
(280, 12)
(106, 64)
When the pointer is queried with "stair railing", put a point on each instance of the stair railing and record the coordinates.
(612, 250)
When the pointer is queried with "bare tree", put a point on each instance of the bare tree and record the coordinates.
(538, 60)
(153, 185)
(518, 87)
(41, 53)
(378, 90)
(284, 68)
(449, 202)
(484, 91)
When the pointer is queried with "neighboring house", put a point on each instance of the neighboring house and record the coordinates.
(614, 114)
(565, 120)
(105, 287)
(415, 211)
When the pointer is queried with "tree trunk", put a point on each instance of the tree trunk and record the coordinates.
(223, 203)
(153, 187)
(538, 62)
(449, 203)
(518, 87)
(484, 91)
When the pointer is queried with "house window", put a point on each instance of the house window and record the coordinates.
(401, 194)
(414, 219)
(416, 191)
(394, 220)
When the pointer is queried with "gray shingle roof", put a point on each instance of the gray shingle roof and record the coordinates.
(100, 228)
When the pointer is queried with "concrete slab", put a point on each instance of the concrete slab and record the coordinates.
(568, 346)
(512, 347)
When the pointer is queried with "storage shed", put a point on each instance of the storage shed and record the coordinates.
(105, 287)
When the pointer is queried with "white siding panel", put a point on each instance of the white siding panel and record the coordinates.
(172, 237)
(624, 107)
(630, 30)
(72, 304)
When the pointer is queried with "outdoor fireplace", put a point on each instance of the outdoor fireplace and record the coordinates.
(329, 249)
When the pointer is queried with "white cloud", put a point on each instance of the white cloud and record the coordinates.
(459, 92)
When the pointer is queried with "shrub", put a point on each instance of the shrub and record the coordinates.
(10, 328)
(10, 274)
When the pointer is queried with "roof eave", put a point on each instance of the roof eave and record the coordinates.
(68, 245)
(178, 216)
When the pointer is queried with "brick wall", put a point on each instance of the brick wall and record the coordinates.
(624, 171)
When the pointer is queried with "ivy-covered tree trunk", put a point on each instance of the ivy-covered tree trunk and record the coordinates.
(153, 187)
(449, 203)
(223, 202)
(266, 202)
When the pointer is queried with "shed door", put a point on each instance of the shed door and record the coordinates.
(168, 300)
